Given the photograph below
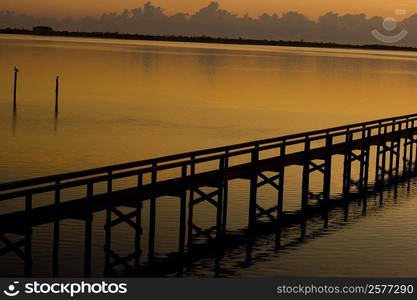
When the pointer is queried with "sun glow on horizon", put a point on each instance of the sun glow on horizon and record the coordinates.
(81, 8)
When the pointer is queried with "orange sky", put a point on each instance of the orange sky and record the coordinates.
(311, 8)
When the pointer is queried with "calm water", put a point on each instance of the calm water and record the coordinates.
(129, 100)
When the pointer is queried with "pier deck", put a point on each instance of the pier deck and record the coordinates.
(393, 138)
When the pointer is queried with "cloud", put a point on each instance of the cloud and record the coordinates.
(214, 21)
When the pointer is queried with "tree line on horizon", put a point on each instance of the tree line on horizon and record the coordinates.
(216, 22)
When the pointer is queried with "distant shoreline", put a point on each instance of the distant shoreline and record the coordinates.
(204, 39)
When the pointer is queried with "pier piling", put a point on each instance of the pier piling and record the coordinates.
(15, 88)
(56, 95)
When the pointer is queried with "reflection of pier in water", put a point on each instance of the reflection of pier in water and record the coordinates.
(270, 243)
(189, 175)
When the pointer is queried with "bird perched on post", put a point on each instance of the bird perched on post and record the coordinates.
(16, 69)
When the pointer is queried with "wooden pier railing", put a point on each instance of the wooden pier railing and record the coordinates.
(186, 174)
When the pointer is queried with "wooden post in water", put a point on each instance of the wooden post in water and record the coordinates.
(362, 161)
(280, 203)
(367, 157)
(15, 88)
(397, 159)
(190, 207)
(225, 194)
(183, 220)
(253, 189)
(405, 147)
(392, 146)
(378, 158)
(411, 155)
(138, 228)
(56, 94)
(327, 169)
(347, 166)
(88, 233)
(219, 215)
(152, 219)
(306, 176)
(384, 159)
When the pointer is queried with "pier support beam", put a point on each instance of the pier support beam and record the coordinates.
(22, 248)
(409, 155)
(310, 166)
(392, 151)
(253, 189)
(347, 165)
(152, 221)
(215, 198)
(56, 95)
(88, 232)
(218, 199)
(133, 219)
(362, 159)
(305, 189)
(327, 172)
(16, 71)
(259, 179)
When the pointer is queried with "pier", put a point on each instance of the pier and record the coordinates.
(187, 176)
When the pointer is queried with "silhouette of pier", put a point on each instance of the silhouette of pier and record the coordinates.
(187, 176)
